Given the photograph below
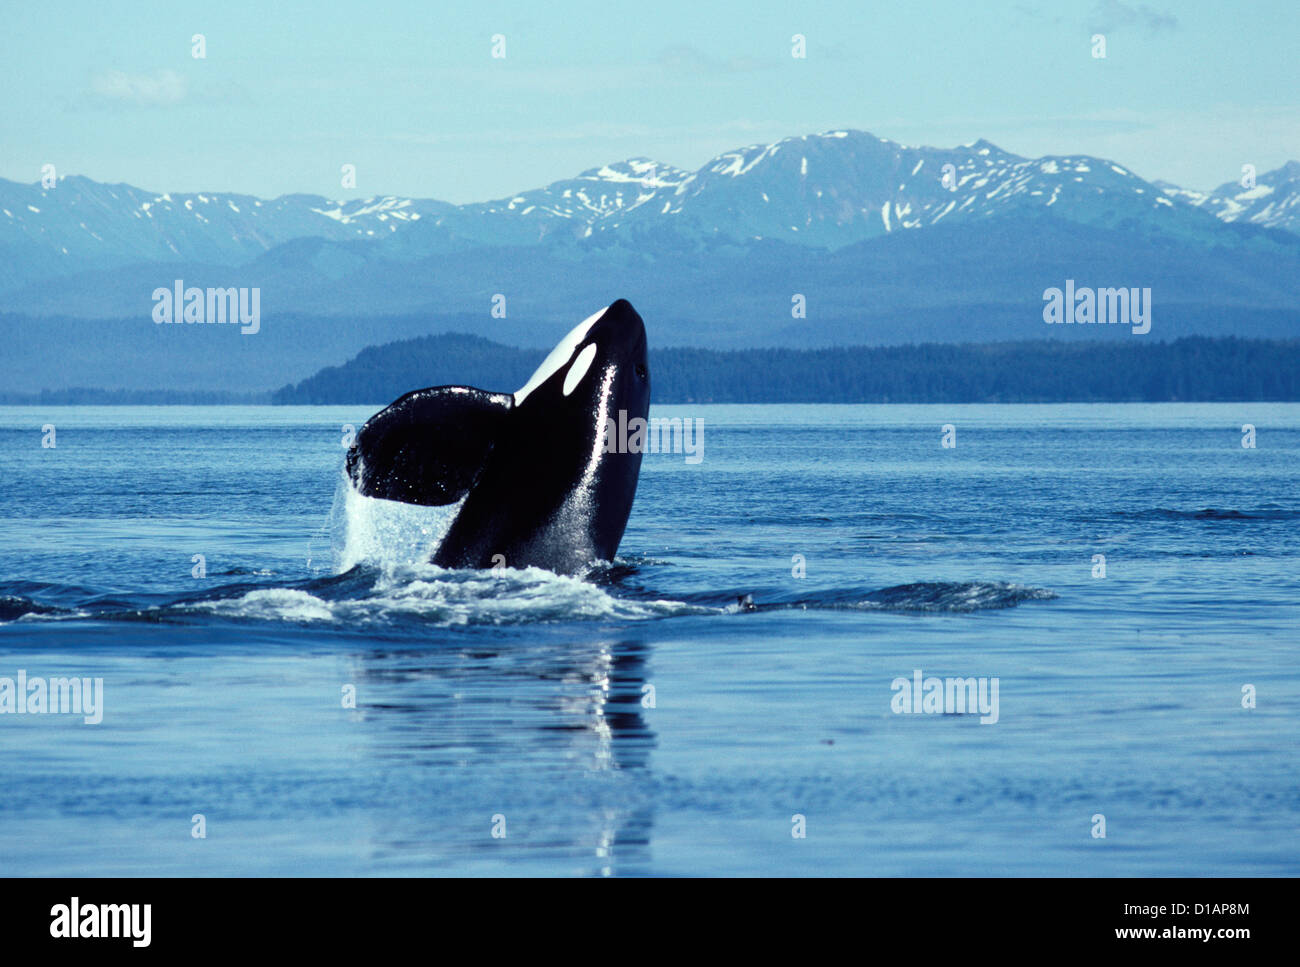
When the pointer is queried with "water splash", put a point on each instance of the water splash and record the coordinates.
(383, 533)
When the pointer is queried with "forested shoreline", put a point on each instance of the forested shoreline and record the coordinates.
(1189, 369)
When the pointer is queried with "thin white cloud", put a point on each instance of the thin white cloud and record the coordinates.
(1109, 16)
(685, 58)
(161, 88)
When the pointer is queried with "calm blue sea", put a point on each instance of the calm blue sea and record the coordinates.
(642, 723)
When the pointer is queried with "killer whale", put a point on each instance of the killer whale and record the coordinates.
(539, 484)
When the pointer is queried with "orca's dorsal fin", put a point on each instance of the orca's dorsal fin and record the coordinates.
(429, 446)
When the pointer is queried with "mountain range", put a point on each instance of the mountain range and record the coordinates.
(884, 243)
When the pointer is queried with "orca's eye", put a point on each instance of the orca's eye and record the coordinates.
(640, 370)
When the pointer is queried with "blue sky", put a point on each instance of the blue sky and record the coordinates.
(409, 92)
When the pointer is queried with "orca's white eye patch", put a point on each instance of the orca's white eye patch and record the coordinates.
(579, 369)
(558, 356)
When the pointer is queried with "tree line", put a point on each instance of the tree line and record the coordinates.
(1194, 368)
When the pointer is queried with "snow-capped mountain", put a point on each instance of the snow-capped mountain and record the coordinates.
(595, 197)
(1273, 202)
(838, 188)
(828, 190)
(81, 220)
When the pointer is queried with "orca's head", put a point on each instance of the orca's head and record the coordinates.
(598, 368)
(570, 428)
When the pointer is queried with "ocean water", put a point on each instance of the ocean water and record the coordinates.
(643, 722)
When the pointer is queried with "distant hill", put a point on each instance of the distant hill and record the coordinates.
(1190, 369)
(381, 373)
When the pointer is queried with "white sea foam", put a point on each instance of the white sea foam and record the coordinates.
(427, 593)
(283, 604)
